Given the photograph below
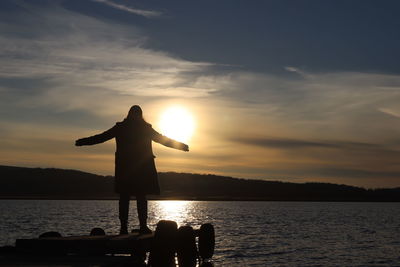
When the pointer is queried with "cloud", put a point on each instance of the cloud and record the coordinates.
(283, 143)
(140, 12)
(296, 70)
(339, 161)
(390, 112)
(77, 62)
(345, 105)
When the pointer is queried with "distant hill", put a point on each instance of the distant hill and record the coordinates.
(18, 182)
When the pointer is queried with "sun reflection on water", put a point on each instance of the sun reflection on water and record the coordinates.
(179, 211)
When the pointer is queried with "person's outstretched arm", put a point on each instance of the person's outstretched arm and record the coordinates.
(159, 138)
(96, 139)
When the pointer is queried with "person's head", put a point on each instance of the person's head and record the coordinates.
(135, 113)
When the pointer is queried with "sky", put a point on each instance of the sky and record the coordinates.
(288, 90)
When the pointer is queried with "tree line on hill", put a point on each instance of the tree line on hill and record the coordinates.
(19, 182)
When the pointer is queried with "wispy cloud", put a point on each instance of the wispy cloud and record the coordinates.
(140, 12)
(345, 105)
(390, 112)
(91, 59)
(283, 143)
(295, 70)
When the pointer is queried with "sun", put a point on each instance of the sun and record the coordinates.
(177, 123)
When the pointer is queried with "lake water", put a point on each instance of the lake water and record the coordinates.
(247, 233)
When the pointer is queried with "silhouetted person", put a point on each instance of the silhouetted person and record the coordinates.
(135, 171)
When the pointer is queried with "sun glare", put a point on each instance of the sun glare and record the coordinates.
(177, 123)
(175, 210)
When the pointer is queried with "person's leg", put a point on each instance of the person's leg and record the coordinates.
(141, 202)
(124, 212)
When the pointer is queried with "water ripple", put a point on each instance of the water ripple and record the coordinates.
(248, 233)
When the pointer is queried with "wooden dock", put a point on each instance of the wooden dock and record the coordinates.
(87, 245)
(163, 248)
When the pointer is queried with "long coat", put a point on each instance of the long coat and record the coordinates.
(135, 171)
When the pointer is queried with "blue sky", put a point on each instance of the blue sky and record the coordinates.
(283, 90)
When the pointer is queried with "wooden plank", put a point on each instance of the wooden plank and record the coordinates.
(19, 260)
(130, 243)
(108, 244)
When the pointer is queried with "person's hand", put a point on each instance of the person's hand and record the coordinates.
(79, 142)
(185, 147)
